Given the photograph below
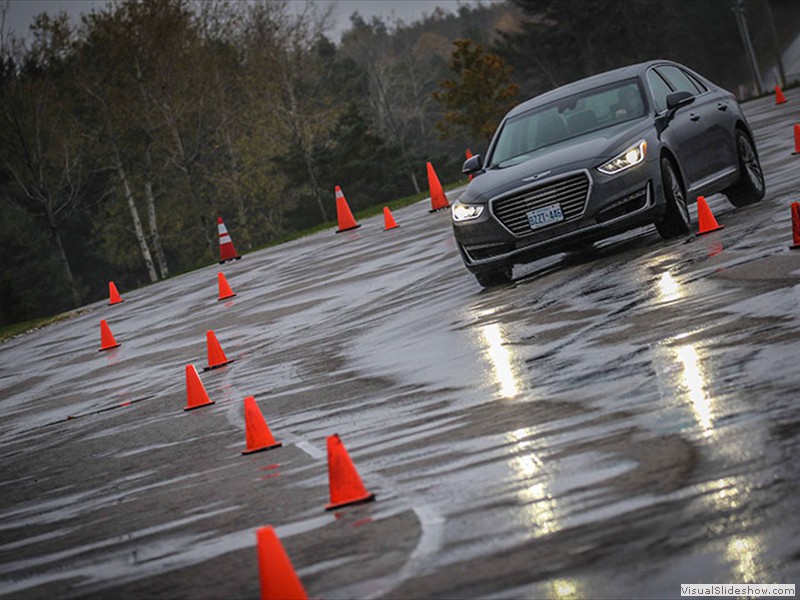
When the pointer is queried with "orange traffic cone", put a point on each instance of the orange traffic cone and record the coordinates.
(705, 218)
(107, 341)
(196, 395)
(795, 226)
(216, 357)
(438, 198)
(388, 219)
(779, 97)
(257, 433)
(343, 214)
(278, 579)
(469, 155)
(113, 294)
(343, 480)
(226, 250)
(225, 290)
(796, 139)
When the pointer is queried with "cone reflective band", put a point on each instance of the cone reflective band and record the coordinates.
(343, 214)
(226, 250)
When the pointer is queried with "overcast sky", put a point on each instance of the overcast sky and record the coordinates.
(21, 12)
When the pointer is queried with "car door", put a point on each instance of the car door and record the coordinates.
(700, 129)
(684, 141)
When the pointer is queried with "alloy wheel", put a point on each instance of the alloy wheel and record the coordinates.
(750, 163)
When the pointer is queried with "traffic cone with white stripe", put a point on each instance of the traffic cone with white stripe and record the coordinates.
(343, 214)
(226, 250)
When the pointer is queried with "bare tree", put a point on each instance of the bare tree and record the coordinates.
(280, 58)
(43, 147)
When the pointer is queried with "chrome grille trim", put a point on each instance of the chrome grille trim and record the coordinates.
(571, 191)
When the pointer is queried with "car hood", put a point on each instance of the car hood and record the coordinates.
(584, 152)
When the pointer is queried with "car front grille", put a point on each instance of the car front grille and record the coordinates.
(571, 193)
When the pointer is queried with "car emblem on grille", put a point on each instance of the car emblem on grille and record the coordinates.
(536, 177)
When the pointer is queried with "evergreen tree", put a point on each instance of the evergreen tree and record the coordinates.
(480, 96)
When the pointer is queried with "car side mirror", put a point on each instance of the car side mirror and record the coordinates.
(472, 165)
(677, 99)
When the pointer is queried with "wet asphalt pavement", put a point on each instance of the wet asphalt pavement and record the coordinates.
(614, 424)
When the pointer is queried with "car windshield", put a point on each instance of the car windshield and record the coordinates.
(567, 118)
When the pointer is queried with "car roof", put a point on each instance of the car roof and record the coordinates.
(588, 83)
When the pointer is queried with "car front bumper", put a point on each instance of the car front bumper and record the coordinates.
(613, 204)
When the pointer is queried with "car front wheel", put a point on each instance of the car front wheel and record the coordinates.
(750, 187)
(675, 221)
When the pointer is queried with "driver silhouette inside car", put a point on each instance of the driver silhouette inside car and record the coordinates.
(628, 105)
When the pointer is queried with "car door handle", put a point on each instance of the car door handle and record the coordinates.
(722, 106)
(694, 117)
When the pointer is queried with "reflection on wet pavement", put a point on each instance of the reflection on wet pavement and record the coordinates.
(500, 358)
(534, 495)
(668, 287)
(693, 380)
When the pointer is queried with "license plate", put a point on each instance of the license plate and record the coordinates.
(545, 215)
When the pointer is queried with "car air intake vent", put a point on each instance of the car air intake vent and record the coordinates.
(483, 251)
(569, 193)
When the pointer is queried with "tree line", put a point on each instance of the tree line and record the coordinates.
(124, 136)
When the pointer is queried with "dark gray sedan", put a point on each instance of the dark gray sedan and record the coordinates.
(618, 150)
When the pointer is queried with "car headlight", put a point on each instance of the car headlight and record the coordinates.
(466, 212)
(625, 160)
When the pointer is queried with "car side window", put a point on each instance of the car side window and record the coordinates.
(700, 85)
(679, 80)
(660, 90)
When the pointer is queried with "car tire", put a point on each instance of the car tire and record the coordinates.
(750, 187)
(675, 221)
(494, 277)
